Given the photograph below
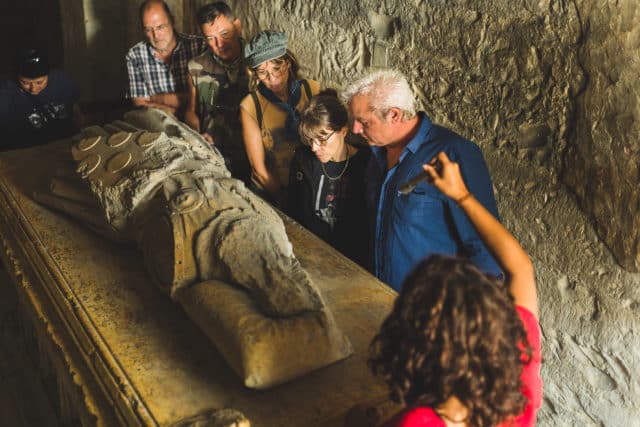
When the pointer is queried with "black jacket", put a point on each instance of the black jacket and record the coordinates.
(350, 234)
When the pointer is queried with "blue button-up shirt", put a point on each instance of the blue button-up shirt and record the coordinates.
(410, 227)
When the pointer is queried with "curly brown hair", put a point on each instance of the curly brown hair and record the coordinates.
(454, 331)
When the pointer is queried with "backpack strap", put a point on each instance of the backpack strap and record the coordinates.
(256, 102)
(254, 96)
(307, 88)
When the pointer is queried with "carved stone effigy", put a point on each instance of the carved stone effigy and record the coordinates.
(122, 353)
(211, 244)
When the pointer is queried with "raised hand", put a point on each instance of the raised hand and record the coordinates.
(449, 181)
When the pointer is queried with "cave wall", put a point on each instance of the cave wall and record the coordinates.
(553, 81)
(602, 164)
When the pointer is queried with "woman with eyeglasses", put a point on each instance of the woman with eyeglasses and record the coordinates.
(326, 182)
(270, 113)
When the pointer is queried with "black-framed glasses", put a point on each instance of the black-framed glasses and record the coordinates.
(320, 142)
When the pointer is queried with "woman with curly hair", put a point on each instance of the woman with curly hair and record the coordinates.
(461, 348)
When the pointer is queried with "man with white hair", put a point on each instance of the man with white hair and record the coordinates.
(416, 222)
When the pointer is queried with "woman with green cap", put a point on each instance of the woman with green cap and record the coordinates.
(270, 113)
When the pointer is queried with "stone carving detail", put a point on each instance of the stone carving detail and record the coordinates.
(164, 194)
(382, 26)
(216, 248)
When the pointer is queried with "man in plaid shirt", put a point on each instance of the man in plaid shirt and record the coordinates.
(157, 66)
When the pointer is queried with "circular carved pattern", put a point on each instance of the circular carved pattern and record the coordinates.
(118, 139)
(88, 143)
(88, 165)
(148, 138)
(186, 200)
(118, 162)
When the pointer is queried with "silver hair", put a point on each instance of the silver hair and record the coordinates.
(386, 89)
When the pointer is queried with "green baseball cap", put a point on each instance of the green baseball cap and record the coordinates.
(265, 46)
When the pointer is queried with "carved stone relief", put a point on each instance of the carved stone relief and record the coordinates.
(216, 248)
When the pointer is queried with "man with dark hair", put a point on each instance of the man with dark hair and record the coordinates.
(157, 66)
(218, 82)
(39, 105)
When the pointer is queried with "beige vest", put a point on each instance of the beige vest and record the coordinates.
(278, 148)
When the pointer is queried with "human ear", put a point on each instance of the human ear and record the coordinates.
(238, 25)
(394, 115)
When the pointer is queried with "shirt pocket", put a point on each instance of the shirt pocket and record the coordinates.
(425, 204)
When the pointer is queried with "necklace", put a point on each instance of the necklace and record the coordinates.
(346, 165)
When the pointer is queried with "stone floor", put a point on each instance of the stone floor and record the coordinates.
(23, 401)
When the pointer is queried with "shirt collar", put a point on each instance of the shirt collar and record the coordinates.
(179, 42)
(421, 136)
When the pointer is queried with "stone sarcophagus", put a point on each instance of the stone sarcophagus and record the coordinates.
(265, 315)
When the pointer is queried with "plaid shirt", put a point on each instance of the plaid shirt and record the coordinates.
(149, 76)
